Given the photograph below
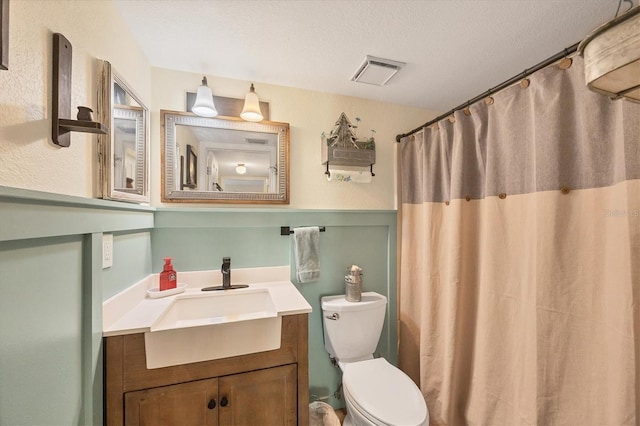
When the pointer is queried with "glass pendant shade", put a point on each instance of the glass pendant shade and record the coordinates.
(203, 105)
(251, 110)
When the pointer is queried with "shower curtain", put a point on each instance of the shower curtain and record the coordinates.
(519, 264)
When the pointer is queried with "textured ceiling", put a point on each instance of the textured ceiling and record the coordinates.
(454, 49)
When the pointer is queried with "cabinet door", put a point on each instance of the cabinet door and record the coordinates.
(263, 397)
(193, 403)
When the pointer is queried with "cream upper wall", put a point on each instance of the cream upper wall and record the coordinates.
(308, 113)
(95, 29)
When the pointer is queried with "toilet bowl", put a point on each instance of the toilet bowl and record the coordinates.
(381, 394)
(376, 392)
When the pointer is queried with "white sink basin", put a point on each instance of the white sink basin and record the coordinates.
(205, 326)
(216, 308)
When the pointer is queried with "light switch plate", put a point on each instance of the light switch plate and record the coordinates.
(107, 250)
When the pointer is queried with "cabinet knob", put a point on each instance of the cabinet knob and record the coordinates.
(224, 401)
(212, 404)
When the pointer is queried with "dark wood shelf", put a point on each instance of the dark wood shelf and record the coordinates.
(67, 125)
(61, 90)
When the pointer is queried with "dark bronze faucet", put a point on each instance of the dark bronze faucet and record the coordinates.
(225, 270)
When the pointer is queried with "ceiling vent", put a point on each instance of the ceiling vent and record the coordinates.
(257, 141)
(376, 71)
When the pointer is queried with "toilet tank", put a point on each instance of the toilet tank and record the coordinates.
(354, 331)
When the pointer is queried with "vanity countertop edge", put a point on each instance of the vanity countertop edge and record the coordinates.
(131, 311)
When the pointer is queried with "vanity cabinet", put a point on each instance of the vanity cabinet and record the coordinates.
(262, 397)
(266, 388)
(193, 403)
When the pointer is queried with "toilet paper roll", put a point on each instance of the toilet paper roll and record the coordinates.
(349, 176)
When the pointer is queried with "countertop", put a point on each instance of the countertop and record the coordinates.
(132, 311)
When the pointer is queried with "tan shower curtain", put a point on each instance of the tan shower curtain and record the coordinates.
(519, 292)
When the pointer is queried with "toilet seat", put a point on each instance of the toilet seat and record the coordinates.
(384, 394)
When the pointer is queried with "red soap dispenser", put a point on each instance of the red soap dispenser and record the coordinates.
(168, 277)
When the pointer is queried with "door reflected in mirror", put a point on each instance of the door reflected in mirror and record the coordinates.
(224, 159)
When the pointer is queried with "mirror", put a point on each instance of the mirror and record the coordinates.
(224, 160)
(124, 150)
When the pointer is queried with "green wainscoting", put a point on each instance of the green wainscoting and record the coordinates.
(41, 331)
(51, 294)
(131, 262)
(52, 284)
(198, 239)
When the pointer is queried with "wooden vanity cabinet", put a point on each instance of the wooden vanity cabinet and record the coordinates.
(266, 388)
(193, 403)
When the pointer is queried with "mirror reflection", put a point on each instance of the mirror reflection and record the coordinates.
(228, 160)
(124, 150)
(128, 126)
(224, 159)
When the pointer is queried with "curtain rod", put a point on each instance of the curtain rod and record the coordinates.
(565, 52)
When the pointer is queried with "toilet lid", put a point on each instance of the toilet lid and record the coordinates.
(383, 392)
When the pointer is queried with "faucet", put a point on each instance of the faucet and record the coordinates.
(225, 270)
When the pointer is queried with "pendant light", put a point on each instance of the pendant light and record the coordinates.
(241, 169)
(203, 105)
(251, 110)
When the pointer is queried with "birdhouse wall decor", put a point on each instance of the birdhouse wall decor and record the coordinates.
(342, 148)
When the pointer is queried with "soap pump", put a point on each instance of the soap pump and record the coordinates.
(168, 277)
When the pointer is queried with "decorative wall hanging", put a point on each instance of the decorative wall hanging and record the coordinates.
(61, 123)
(342, 148)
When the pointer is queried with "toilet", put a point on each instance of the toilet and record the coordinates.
(376, 392)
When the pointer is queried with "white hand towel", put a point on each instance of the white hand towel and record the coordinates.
(306, 244)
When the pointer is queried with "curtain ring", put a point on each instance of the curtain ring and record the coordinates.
(565, 190)
(488, 100)
(524, 83)
(467, 110)
(452, 119)
(446, 203)
(502, 195)
(565, 63)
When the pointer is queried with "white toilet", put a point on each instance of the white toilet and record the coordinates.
(376, 392)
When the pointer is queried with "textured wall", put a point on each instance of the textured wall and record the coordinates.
(95, 29)
(309, 114)
(31, 161)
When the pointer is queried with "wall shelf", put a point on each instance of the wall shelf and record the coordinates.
(61, 103)
(67, 125)
(341, 148)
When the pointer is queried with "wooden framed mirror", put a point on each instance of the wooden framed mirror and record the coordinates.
(224, 160)
(124, 150)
